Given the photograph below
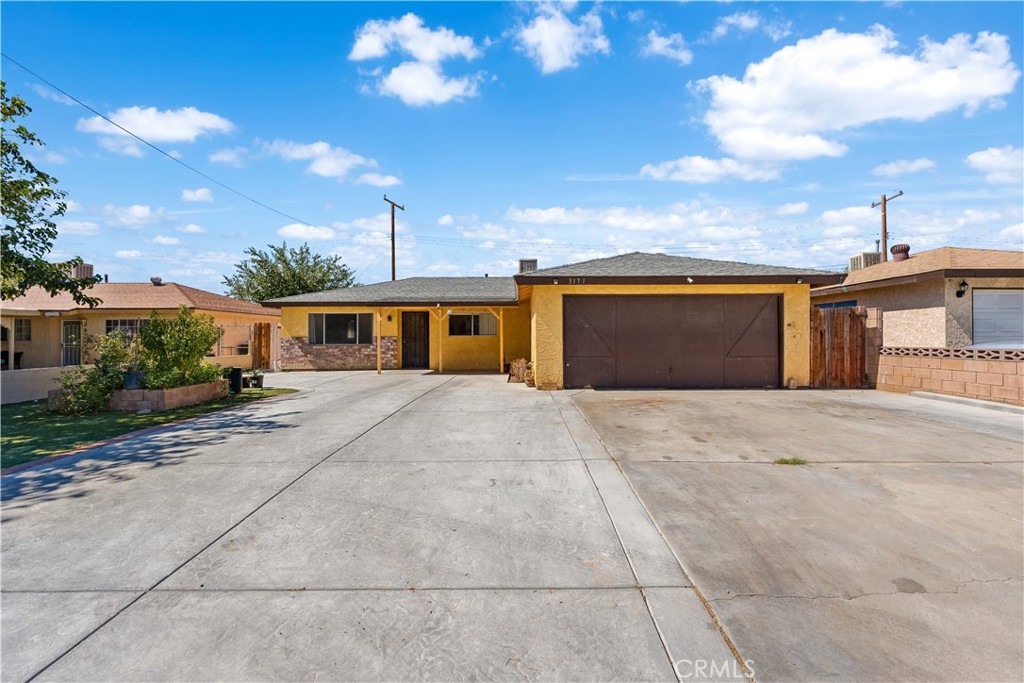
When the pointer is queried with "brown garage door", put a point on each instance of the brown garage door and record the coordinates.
(678, 342)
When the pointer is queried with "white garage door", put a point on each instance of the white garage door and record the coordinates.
(998, 315)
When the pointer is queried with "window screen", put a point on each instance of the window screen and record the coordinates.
(340, 328)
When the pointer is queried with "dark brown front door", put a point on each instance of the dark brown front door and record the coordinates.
(678, 342)
(415, 339)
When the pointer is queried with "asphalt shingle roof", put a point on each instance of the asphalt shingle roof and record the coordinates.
(415, 290)
(638, 264)
(138, 295)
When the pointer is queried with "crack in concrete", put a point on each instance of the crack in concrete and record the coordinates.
(955, 591)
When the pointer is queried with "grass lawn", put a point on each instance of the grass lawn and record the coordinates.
(29, 431)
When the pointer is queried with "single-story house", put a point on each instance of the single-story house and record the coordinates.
(948, 320)
(40, 333)
(634, 320)
(950, 297)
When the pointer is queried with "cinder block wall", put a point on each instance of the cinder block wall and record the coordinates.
(991, 380)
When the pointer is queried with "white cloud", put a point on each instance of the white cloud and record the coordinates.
(325, 160)
(672, 46)
(52, 95)
(740, 21)
(72, 205)
(1001, 165)
(555, 43)
(375, 39)
(128, 253)
(171, 125)
(161, 239)
(305, 232)
(792, 209)
(446, 219)
(697, 169)
(1014, 234)
(77, 228)
(692, 218)
(745, 22)
(200, 194)
(234, 156)
(192, 229)
(378, 180)
(136, 214)
(785, 106)
(903, 167)
(420, 81)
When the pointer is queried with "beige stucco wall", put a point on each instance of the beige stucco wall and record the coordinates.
(924, 314)
(43, 350)
(28, 385)
(546, 323)
(959, 314)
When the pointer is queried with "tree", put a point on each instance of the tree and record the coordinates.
(30, 203)
(285, 272)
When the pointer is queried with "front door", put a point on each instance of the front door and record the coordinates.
(71, 343)
(415, 339)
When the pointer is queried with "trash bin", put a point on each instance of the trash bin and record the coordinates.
(235, 380)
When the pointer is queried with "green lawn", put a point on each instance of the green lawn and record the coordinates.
(29, 431)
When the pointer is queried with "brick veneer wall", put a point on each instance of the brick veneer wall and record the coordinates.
(298, 354)
(134, 400)
(991, 380)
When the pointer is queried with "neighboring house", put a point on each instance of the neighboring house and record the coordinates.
(635, 320)
(949, 320)
(43, 331)
(944, 298)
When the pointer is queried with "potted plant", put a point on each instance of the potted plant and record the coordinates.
(256, 378)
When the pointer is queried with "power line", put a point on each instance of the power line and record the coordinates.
(151, 145)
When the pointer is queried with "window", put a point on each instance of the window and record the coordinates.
(127, 325)
(340, 328)
(838, 304)
(476, 325)
(22, 329)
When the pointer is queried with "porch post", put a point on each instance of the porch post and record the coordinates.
(10, 344)
(501, 336)
(378, 340)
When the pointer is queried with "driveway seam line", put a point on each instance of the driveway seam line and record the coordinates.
(697, 591)
(622, 545)
(226, 532)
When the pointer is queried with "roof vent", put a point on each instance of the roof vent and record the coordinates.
(868, 258)
(527, 265)
(157, 281)
(900, 252)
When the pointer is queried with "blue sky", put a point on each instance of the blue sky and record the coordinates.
(752, 132)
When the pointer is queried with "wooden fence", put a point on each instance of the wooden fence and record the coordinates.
(837, 348)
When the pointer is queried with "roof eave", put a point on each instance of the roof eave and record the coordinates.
(400, 303)
(926, 276)
(795, 278)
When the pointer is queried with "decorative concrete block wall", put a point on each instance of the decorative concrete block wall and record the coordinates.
(983, 374)
(134, 400)
(298, 354)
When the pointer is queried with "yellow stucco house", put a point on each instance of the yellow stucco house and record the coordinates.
(41, 334)
(634, 320)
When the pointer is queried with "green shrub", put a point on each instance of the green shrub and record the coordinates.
(173, 349)
(87, 390)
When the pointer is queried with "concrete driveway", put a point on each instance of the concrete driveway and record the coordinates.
(408, 526)
(896, 554)
(416, 526)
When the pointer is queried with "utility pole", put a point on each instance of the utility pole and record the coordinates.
(885, 232)
(393, 205)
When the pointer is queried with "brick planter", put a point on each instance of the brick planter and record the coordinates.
(134, 400)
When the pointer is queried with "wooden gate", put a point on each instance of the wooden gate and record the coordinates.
(837, 348)
(261, 342)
